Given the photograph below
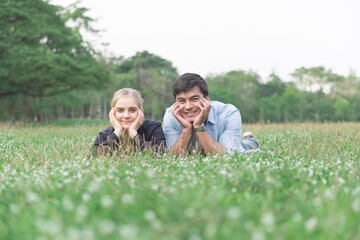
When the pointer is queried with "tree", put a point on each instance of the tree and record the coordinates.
(313, 78)
(344, 110)
(274, 86)
(293, 104)
(153, 76)
(40, 55)
(238, 88)
(347, 95)
(270, 108)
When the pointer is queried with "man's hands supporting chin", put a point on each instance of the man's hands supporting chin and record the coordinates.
(208, 144)
(203, 105)
(176, 111)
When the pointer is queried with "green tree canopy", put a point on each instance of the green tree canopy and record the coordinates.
(315, 77)
(153, 76)
(274, 86)
(39, 54)
(239, 88)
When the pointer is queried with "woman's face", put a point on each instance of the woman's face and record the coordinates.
(126, 111)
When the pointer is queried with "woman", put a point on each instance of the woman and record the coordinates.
(129, 130)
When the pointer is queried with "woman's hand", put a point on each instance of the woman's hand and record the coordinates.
(136, 124)
(115, 123)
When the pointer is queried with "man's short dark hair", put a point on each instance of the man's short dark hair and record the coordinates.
(189, 80)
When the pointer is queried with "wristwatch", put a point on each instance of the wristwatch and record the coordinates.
(200, 129)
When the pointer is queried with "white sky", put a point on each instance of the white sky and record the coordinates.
(217, 36)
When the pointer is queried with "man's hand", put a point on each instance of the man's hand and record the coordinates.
(205, 107)
(136, 124)
(176, 111)
(115, 123)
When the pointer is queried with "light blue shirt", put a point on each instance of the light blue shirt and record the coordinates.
(223, 125)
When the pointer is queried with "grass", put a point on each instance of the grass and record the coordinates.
(71, 122)
(304, 186)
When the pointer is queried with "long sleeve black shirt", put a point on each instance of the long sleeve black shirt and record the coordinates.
(150, 135)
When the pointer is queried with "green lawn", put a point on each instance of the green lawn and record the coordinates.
(304, 186)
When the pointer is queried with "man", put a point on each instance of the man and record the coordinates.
(196, 123)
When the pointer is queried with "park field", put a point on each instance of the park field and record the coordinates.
(305, 185)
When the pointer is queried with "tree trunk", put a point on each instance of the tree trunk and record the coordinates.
(24, 108)
(105, 114)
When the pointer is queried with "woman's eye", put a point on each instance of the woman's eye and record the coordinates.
(132, 110)
(120, 110)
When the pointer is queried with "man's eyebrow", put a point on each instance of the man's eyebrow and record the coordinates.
(193, 96)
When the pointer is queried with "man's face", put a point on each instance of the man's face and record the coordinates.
(189, 103)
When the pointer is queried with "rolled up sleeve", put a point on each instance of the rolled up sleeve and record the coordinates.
(171, 129)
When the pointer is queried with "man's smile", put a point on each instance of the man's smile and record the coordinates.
(190, 114)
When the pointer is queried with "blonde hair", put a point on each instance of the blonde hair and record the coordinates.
(127, 92)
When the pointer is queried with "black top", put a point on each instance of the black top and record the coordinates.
(150, 134)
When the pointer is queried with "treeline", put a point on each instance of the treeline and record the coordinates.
(315, 94)
(312, 94)
(48, 71)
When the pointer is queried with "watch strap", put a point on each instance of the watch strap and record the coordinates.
(200, 129)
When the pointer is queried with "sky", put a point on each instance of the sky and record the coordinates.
(218, 36)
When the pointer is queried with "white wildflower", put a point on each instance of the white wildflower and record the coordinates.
(51, 226)
(317, 201)
(150, 173)
(106, 201)
(195, 237)
(127, 232)
(311, 223)
(150, 215)
(156, 224)
(268, 220)
(14, 208)
(81, 212)
(210, 230)
(341, 180)
(190, 212)
(73, 233)
(127, 198)
(328, 193)
(86, 197)
(233, 212)
(106, 226)
(258, 235)
(356, 191)
(297, 217)
(67, 204)
(355, 205)
(155, 187)
(93, 186)
(32, 197)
